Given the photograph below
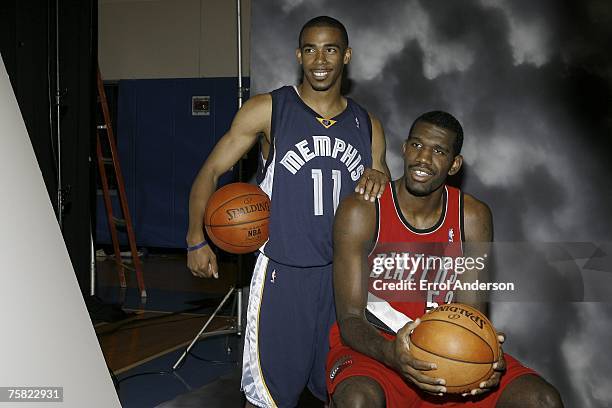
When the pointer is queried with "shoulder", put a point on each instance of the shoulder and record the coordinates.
(254, 116)
(256, 108)
(375, 121)
(355, 217)
(478, 219)
(354, 204)
(474, 209)
(259, 101)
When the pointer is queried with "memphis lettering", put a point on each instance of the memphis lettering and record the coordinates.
(324, 146)
(247, 209)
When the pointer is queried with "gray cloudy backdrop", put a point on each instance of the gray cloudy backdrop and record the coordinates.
(531, 83)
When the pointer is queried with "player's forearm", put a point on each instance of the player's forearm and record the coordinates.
(201, 190)
(382, 167)
(359, 335)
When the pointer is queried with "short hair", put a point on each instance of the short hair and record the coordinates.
(444, 120)
(324, 21)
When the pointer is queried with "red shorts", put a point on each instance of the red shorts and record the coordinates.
(344, 362)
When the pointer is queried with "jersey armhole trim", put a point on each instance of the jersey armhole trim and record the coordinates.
(270, 157)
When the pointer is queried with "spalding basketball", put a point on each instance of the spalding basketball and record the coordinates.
(461, 341)
(236, 218)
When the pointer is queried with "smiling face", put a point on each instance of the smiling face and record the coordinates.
(322, 54)
(429, 158)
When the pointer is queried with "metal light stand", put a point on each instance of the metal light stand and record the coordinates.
(58, 130)
(237, 291)
(58, 142)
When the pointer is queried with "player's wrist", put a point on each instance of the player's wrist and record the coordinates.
(197, 246)
(388, 353)
(194, 238)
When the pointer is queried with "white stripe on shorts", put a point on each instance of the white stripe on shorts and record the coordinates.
(253, 383)
(380, 308)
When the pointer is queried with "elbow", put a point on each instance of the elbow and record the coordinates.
(345, 327)
(206, 174)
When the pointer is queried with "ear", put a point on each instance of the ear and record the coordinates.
(404, 147)
(298, 55)
(347, 55)
(457, 163)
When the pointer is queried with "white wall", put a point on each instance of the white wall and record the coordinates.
(47, 338)
(141, 39)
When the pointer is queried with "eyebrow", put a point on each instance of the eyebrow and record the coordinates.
(413, 137)
(324, 45)
(420, 140)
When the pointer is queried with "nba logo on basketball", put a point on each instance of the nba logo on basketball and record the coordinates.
(254, 232)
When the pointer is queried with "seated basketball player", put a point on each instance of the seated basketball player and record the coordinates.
(366, 366)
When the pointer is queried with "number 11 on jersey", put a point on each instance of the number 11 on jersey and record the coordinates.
(317, 186)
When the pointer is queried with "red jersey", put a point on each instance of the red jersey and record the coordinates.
(412, 270)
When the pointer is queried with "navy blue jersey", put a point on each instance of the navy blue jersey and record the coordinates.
(312, 165)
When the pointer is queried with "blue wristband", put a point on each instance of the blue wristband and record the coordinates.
(197, 246)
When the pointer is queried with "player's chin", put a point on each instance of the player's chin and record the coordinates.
(319, 85)
(419, 190)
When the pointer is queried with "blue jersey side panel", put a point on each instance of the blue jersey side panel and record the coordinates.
(312, 165)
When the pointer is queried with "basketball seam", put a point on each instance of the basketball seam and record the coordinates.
(238, 223)
(446, 357)
(459, 361)
(233, 198)
(463, 327)
(234, 245)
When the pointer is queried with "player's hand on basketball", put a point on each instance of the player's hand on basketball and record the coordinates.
(411, 368)
(203, 262)
(498, 370)
(371, 184)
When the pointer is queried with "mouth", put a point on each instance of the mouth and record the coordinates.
(421, 174)
(320, 74)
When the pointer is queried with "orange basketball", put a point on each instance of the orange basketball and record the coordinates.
(236, 218)
(461, 341)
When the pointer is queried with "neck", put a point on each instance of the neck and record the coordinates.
(421, 211)
(327, 103)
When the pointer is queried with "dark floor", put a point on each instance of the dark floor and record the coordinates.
(210, 376)
(144, 386)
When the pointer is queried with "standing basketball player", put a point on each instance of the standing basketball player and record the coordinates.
(319, 147)
(373, 367)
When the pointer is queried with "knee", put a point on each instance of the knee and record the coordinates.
(358, 392)
(547, 396)
(530, 391)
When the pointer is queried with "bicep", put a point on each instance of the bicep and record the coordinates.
(478, 221)
(251, 120)
(379, 147)
(478, 237)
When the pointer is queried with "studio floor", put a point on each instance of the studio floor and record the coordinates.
(142, 347)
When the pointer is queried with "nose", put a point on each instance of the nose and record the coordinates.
(424, 155)
(320, 56)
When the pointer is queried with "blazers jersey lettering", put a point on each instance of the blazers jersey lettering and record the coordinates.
(312, 165)
(395, 235)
